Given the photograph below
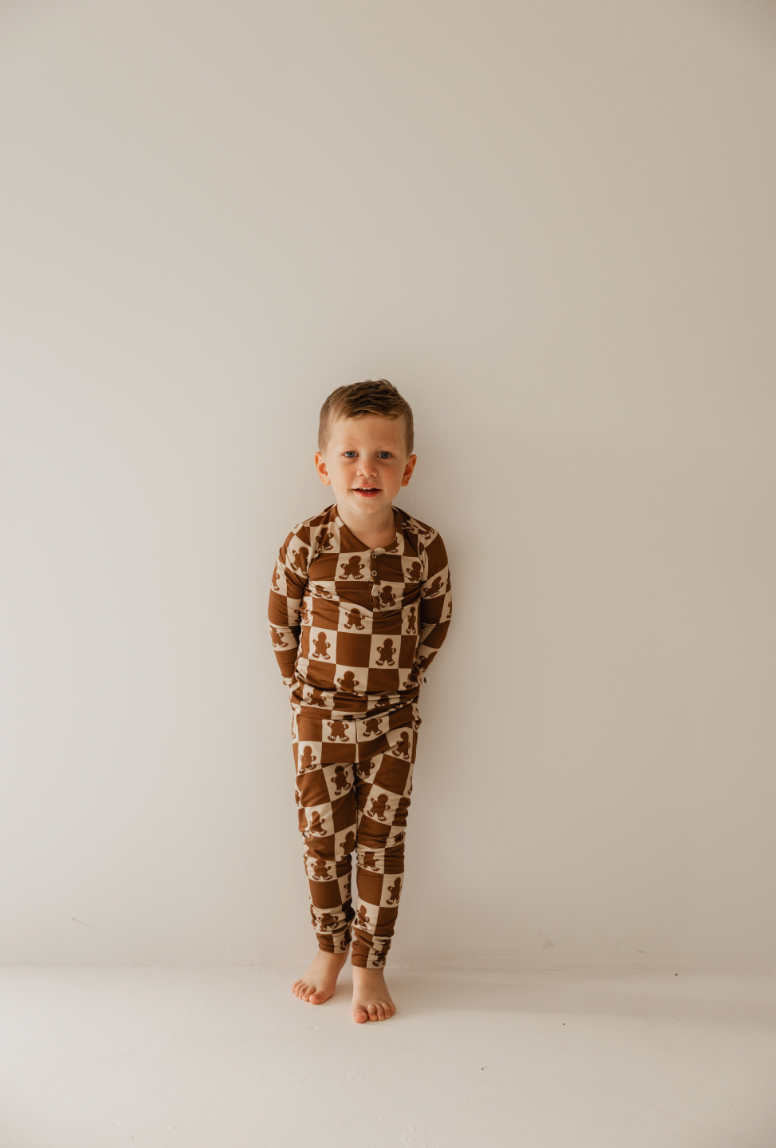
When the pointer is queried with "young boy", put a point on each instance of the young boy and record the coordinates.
(360, 603)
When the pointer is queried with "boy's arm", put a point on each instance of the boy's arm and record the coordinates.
(436, 606)
(289, 579)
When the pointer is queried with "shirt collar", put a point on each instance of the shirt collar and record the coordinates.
(397, 522)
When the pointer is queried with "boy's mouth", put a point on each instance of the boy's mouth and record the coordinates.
(366, 491)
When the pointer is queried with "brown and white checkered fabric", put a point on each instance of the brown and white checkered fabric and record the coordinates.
(354, 631)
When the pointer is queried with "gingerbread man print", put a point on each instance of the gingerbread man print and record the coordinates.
(395, 891)
(434, 587)
(316, 825)
(354, 620)
(337, 731)
(348, 844)
(379, 806)
(353, 568)
(402, 747)
(348, 682)
(320, 870)
(321, 647)
(299, 560)
(312, 697)
(340, 779)
(307, 759)
(387, 597)
(386, 652)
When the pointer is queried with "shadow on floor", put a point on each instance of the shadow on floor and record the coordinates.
(721, 998)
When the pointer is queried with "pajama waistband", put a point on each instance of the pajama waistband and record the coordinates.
(357, 725)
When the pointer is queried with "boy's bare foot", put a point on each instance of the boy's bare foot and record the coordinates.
(371, 999)
(320, 980)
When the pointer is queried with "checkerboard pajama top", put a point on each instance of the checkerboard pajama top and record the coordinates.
(354, 630)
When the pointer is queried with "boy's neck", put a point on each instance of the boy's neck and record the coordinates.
(372, 529)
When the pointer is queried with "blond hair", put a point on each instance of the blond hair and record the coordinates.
(371, 397)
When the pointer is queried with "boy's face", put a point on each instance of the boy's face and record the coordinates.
(366, 463)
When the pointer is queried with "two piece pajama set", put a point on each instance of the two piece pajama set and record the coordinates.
(354, 631)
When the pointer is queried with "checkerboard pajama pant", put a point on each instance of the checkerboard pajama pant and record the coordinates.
(353, 786)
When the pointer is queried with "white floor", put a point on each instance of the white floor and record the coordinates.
(92, 1057)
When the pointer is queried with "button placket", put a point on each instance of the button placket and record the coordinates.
(374, 577)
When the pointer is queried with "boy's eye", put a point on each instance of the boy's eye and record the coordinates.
(384, 453)
(348, 453)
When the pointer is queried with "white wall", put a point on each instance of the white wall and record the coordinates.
(551, 225)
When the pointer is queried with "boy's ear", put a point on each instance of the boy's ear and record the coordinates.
(320, 466)
(408, 469)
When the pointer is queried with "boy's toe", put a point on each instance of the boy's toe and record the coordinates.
(360, 1014)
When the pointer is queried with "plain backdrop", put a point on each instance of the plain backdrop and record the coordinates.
(551, 224)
